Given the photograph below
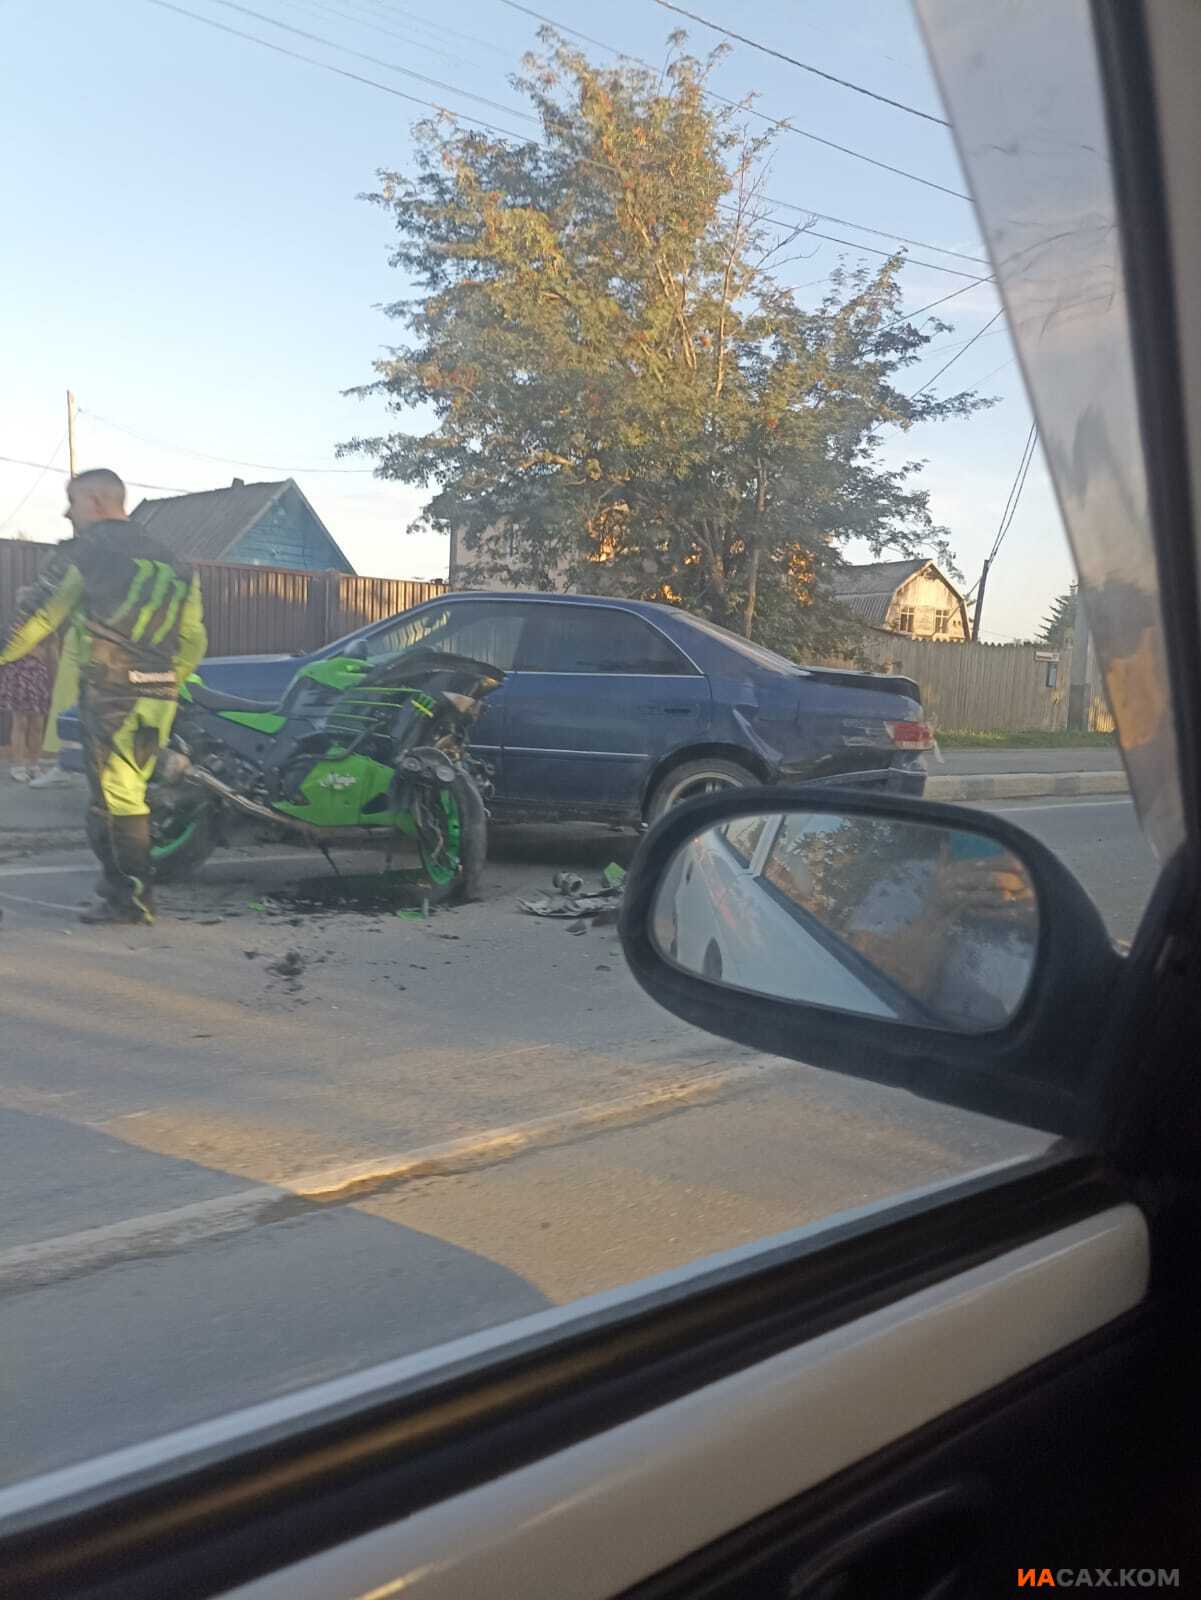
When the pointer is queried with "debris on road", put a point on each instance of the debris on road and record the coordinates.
(598, 908)
(290, 965)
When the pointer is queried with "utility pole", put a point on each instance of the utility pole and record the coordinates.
(1080, 688)
(980, 601)
(71, 431)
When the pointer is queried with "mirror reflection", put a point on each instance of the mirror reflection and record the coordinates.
(912, 920)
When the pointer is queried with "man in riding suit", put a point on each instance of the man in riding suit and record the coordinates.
(138, 615)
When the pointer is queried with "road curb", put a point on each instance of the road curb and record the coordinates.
(1024, 785)
(37, 1265)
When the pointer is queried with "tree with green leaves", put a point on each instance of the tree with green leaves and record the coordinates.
(1060, 624)
(615, 376)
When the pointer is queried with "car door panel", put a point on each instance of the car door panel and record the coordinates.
(583, 740)
(616, 1510)
(590, 742)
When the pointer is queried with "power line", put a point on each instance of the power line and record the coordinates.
(508, 133)
(908, 316)
(36, 482)
(50, 466)
(377, 61)
(995, 370)
(775, 122)
(315, 38)
(805, 66)
(854, 244)
(884, 233)
(959, 355)
(341, 72)
(327, 13)
(1006, 522)
(230, 461)
(959, 344)
(436, 27)
(1015, 493)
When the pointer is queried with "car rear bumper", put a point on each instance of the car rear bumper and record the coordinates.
(892, 780)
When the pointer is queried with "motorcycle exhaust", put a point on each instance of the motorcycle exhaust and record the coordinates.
(248, 807)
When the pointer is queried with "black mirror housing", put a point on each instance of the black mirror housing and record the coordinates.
(1039, 1069)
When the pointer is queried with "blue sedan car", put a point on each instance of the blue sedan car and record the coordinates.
(614, 710)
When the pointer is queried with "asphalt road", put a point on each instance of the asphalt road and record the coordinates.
(166, 1252)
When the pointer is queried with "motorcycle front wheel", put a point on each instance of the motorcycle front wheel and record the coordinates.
(451, 842)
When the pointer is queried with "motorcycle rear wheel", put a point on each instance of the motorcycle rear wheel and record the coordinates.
(182, 844)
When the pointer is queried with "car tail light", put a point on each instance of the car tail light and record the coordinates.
(910, 735)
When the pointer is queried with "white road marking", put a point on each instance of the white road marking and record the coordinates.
(48, 905)
(88, 864)
(29, 1266)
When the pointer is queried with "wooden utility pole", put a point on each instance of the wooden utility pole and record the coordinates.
(1080, 692)
(71, 431)
(980, 601)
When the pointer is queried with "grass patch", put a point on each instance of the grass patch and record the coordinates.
(1033, 739)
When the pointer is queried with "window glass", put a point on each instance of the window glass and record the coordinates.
(217, 1128)
(743, 836)
(787, 866)
(485, 631)
(597, 639)
(757, 653)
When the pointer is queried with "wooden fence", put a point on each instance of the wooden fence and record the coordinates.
(966, 688)
(254, 610)
(984, 688)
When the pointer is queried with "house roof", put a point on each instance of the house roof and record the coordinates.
(867, 591)
(206, 526)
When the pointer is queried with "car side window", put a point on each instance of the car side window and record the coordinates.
(742, 837)
(484, 631)
(786, 867)
(597, 639)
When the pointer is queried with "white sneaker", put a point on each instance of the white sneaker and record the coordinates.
(20, 774)
(52, 778)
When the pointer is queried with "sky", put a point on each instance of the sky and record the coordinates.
(185, 246)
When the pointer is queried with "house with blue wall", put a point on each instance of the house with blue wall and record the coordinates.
(256, 524)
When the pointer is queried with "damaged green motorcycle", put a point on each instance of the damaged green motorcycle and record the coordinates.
(359, 750)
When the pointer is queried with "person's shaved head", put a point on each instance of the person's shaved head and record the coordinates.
(97, 495)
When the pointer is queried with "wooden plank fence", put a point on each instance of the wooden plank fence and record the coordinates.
(983, 688)
(254, 610)
(966, 688)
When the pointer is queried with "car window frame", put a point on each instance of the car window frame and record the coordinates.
(455, 603)
(316, 1470)
(763, 844)
(307, 1472)
(689, 669)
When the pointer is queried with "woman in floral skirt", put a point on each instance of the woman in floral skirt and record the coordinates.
(25, 690)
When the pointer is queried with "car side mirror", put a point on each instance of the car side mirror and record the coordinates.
(920, 945)
(356, 650)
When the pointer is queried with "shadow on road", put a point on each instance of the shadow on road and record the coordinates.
(580, 846)
(109, 1356)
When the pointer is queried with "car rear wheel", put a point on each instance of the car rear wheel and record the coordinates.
(695, 778)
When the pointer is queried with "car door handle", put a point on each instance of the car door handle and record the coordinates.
(668, 711)
(926, 1550)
